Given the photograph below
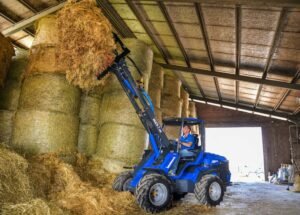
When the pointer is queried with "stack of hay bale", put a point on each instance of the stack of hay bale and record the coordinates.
(47, 117)
(193, 113)
(171, 103)
(89, 121)
(155, 89)
(6, 53)
(122, 136)
(185, 102)
(9, 94)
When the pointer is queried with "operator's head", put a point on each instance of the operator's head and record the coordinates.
(186, 129)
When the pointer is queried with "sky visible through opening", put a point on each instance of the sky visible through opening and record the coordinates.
(242, 146)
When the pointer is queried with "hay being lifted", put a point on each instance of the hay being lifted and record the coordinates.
(85, 42)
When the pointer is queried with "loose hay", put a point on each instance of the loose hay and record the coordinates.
(14, 183)
(49, 92)
(32, 207)
(41, 132)
(85, 42)
(6, 53)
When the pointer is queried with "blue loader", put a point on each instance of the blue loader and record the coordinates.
(204, 174)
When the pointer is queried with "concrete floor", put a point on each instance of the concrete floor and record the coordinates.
(255, 199)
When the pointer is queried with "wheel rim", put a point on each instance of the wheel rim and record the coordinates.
(215, 191)
(158, 194)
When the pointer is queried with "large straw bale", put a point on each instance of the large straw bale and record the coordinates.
(122, 144)
(142, 55)
(46, 31)
(116, 107)
(192, 109)
(87, 139)
(171, 106)
(32, 207)
(297, 182)
(49, 92)
(157, 77)
(155, 95)
(43, 59)
(185, 103)
(6, 125)
(89, 110)
(85, 42)
(6, 53)
(172, 132)
(18, 66)
(9, 95)
(171, 86)
(158, 114)
(14, 183)
(42, 131)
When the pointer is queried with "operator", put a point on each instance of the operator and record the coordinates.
(186, 142)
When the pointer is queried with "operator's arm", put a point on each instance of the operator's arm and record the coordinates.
(188, 144)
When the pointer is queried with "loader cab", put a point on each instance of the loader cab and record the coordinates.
(173, 128)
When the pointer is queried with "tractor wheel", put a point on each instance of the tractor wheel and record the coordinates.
(178, 196)
(153, 193)
(209, 190)
(122, 181)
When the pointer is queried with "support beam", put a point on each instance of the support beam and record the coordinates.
(115, 19)
(28, 5)
(232, 77)
(287, 92)
(28, 22)
(247, 108)
(265, 3)
(238, 31)
(178, 41)
(207, 45)
(279, 28)
(140, 18)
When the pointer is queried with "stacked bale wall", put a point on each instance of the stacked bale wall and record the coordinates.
(155, 89)
(171, 103)
(193, 113)
(122, 136)
(9, 94)
(6, 53)
(47, 117)
(185, 102)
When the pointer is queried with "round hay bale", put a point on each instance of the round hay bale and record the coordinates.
(49, 92)
(14, 183)
(140, 53)
(171, 86)
(46, 31)
(87, 139)
(122, 143)
(116, 107)
(185, 103)
(157, 77)
(172, 132)
(6, 125)
(9, 95)
(6, 53)
(192, 110)
(18, 66)
(89, 110)
(34, 206)
(297, 183)
(44, 60)
(155, 95)
(41, 132)
(171, 106)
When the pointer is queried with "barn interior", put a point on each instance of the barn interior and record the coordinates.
(66, 136)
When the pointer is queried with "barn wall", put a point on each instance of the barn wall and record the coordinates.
(275, 133)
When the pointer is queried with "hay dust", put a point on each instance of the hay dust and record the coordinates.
(85, 43)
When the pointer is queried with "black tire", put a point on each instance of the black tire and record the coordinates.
(178, 196)
(202, 190)
(144, 196)
(121, 181)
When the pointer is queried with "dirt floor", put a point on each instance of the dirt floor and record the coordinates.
(255, 198)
